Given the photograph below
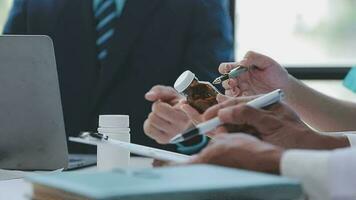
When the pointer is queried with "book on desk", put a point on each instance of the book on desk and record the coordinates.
(181, 182)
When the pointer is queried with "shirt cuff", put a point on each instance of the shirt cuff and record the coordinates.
(352, 139)
(311, 168)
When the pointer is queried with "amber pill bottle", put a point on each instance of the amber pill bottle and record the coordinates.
(200, 94)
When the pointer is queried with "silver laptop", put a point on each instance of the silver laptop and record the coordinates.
(32, 133)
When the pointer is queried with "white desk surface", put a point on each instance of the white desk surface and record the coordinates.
(18, 189)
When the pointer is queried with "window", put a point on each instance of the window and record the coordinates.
(302, 33)
(4, 9)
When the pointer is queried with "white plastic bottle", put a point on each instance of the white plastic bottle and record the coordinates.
(116, 127)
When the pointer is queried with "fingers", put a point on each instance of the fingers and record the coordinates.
(170, 114)
(231, 87)
(160, 163)
(240, 114)
(164, 122)
(163, 93)
(229, 84)
(154, 133)
(221, 98)
(213, 111)
(253, 59)
(209, 154)
(218, 131)
(263, 121)
(232, 93)
(192, 113)
(215, 151)
(163, 125)
(227, 67)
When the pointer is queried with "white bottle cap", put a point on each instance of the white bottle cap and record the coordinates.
(114, 121)
(184, 80)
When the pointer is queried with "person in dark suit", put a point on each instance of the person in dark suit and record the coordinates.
(110, 52)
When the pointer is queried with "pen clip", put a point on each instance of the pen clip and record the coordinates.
(95, 135)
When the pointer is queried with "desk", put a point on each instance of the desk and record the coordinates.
(17, 189)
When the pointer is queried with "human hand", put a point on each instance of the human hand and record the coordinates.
(224, 102)
(197, 117)
(241, 151)
(263, 75)
(166, 119)
(279, 125)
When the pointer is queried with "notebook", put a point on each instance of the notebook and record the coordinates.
(174, 183)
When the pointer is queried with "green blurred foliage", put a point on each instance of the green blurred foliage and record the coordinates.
(338, 30)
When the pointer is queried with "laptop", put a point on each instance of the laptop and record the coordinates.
(32, 128)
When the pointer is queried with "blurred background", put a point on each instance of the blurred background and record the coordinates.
(298, 32)
(5, 6)
(313, 39)
(294, 32)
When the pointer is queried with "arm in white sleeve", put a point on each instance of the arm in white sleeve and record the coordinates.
(325, 175)
(310, 168)
(343, 174)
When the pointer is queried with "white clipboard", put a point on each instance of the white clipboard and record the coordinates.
(135, 148)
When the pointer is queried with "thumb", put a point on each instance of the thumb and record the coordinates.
(163, 93)
(227, 67)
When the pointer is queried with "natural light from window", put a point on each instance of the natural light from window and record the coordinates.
(294, 32)
(298, 32)
(4, 9)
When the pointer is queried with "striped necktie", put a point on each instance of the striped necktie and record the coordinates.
(105, 15)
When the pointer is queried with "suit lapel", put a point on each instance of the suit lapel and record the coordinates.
(128, 28)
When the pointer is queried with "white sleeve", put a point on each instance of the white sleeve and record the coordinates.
(325, 175)
(310, 168)
(343, 174)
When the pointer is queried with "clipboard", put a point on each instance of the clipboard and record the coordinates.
(100, 139)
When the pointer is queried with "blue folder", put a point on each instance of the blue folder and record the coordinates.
(173, 183)
(350, 80)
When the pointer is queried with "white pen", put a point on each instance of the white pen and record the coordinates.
(203, 128)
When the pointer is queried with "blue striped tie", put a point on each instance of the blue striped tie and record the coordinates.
(105, 15)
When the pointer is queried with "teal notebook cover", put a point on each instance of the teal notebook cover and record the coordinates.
(173, 183)
(350, 80)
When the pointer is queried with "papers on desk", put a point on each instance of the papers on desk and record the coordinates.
(12, 174)
(136, 149)
(15, 174)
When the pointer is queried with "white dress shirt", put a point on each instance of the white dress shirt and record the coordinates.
(325, 175)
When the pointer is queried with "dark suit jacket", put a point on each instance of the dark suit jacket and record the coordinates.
(155, 41)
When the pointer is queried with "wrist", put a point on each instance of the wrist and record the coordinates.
(335, 142)
(290, 88)
(327, 142)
